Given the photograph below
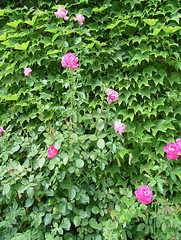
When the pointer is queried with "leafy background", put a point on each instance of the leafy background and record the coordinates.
(87, 190)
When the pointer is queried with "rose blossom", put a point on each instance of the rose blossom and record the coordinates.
(119, 126)
(27, 71)
(69, 60)
(80, 18)
(178, 141)
(62, 12)
(112, 95)
(52, 151)
(144, 194)
(172, 150)
(1, 129)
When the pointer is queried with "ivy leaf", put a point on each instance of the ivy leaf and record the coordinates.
(22, 46)
(14, 24)
(151, 22)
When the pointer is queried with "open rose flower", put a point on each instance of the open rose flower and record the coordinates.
(69, 60)
(112, 95)
(144, 194)
(1, 129)
(172, 150)
(27, 71)
(178, 141)
(62, 13)
(119, 126)
(80, 18)
(52, 151)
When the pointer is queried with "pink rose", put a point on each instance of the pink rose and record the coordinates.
(80, 18)
(62, 12)
(27, 71)
(69, 60)
(52, 151)
(11, 170)
(144, 194)
(178, 141)
(172, 150)
(112, 95)
(119, 126)
(1, 129)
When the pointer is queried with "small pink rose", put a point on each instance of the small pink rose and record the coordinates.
(144, 194)
(112, 95)
(69, 60)
(119, 126)
(80, 18)
(62, 13)
(52, 151)
(1, 130)
(178, 141)
(172, 150)
(27, 71)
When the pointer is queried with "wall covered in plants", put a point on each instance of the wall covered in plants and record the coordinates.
(109, 115)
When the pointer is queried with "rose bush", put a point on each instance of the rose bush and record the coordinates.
(112, 95)
(144, 194)
(52, 151)
(69, 60)
(172, 150)
(62, 13)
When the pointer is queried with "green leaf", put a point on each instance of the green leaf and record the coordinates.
(151, 22)
(41, 162)
(48, 219)
(93, 223)
(76, 221)
(22, 46)
(65, 224)
(30, 192)
(79, 163)
(140, 227)
(100, 124)
(72, 193)
(3, 37)
(6, 189)
(95, 210)
(169, 29)
(14, 24)
(32, 22)
(101, 143)
(29, 202)
(57, 144)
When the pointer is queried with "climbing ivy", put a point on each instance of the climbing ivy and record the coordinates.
(87, 190)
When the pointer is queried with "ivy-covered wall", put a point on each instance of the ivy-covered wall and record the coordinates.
(87, 190)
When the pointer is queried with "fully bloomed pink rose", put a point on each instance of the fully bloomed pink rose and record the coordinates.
(119, 126)
(69, 60)
(1, 129)
(178, 141)
(80, 18)
(62, 13)
(27, 71)
(52, 151)
(144, 194)
(112, 95)
(172, 150)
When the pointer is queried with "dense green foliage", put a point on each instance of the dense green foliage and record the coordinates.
(87, 190)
